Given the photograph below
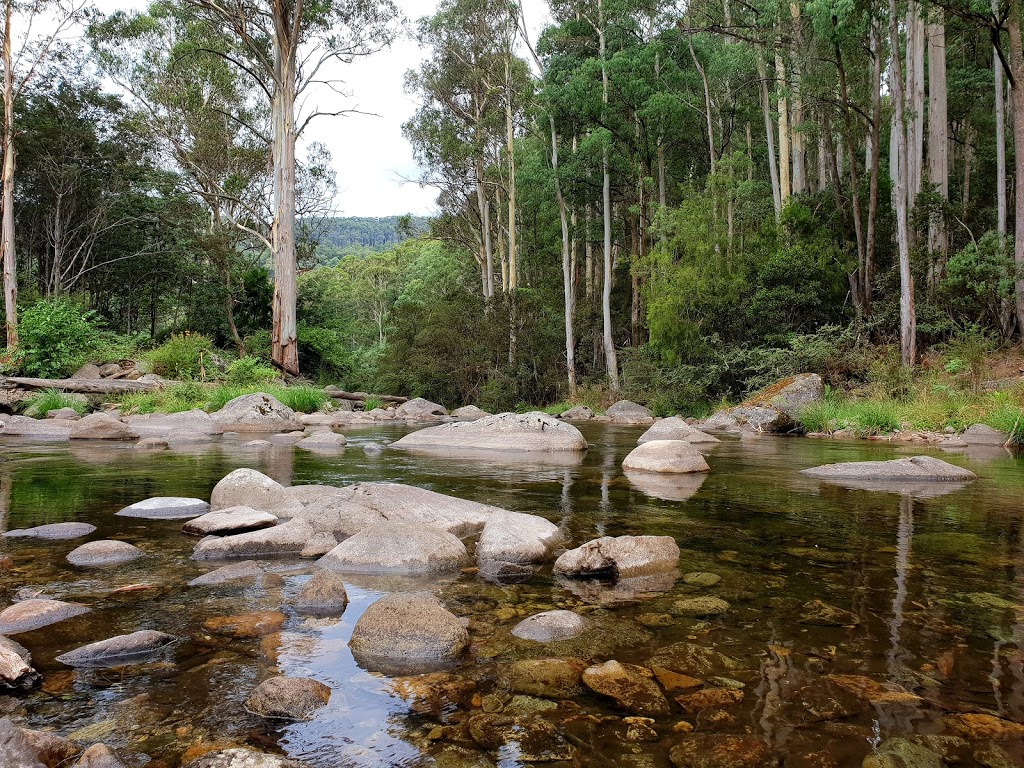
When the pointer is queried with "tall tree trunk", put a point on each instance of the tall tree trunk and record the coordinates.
(997, 66)
(588, 254)
(867, 278)
(7, 229)
(485, 228)
(851, 149)
(908, 319)
(938, 141)
(502, 256)
(708, 113)
(799, 158)
(785, 189)
(1017, 105)
(611, 362)
(513, 265)
(766, 111)
(285, 343)
(568, 278)
(914, 94)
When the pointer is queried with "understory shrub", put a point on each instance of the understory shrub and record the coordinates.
(250, 370)
(301, 399)
(183, 356)
(48, 400)
(56, 337)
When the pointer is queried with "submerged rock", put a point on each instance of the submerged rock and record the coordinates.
(322, 595)
(701, 579)
(901, 753)
(288, 698)
(628, 412)
(675, 428)
(665, 456)
(166, 508)
(819, 613)
(551, 626)
(435, 694)
(709, 698)
(510, 432)
(711, 750)
(419, 408)
(913, 468)
(620, 556)
(700, 607)
(16, 672)
(246, 625)
(104, 553)
(35, 613)
(397, 548)
(245, 570)
(407, 629)
(228, 521)
(323, 441)
(133, 648)
(632, 688)
(692, 660)
(160, 425)
(41, 429)
(981, 726)
(102, 426)
(53, 531)
(241, 757)
(258, 412)
(548, 678)
(531, 739)
(249, 488)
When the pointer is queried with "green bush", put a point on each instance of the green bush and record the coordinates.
(184, 356)
(250, 370)
(56, 337)
(301, 399)
(48, 400)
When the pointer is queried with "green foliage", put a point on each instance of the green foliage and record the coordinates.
(372, 402)
(250, 370)
(184, 356)
(185, 396)
(978, 284)
(41, 403)
(57, 337)
(300, 399)
(967, 355)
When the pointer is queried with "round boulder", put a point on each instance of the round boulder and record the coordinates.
(249, 488)
(287, 698)
(470, 412)
(257, 412)
(408, 629)
(166, 508)
(628, 412)
(102, 426)
(551, 626)
(323, 595)
(513, 432)
(117, 651)
(105, 552)
(665, 456)
(323, 441)
(577, 413)
(619, 556)
(397, 548)
(35, 613)
(419, 408)
(675, 428)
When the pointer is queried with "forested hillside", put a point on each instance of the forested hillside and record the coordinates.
(680, 203)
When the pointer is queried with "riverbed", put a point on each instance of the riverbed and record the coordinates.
(932, 580)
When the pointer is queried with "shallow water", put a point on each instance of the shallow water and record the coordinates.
(936, 584)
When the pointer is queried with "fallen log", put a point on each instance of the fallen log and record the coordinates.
(362, 397)
(83, 386)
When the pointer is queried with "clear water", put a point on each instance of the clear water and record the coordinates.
(936, 583)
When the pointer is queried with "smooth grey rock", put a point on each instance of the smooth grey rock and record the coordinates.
(88, 371)
(418, 408)
(469, 412)
(287, 698)
(318, 545)
(35, 613)
(240, 757)
(667, 457)
(102, 426)
(397, 548)
(676, 428)
(70, 414)
(103, 553)
(258, 412)
(15, 750)
(984, 435)
(152, 444)
(322, 595)
(249, 488)
(628, 412)
(100, 756)
(288, 538)
(224, 522)
(166, 508)
(914, 468)
(41, 429)
(244, 570)
(509, 432)
(550, 626)
(308, 494)
(53, 531)
(621, 556)
(405, 629)
(16, 672)
(133, 648)
(194, 423)
(577, 413)
(323, 441)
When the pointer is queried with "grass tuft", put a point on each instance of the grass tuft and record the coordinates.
(48, 400)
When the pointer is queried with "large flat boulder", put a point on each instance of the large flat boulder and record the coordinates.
(405, 630)
(35, 613)
(245, 570)
(914, 468)
(620, 556)
(323, 442)
(405, 548)
(665, 456)
(248, 488)
(52, 531)
(288, 538)
(166, 508)
(40, 429)
(225, 522)
(419, 409)
(102, 426)
(258, 412)
(775, 409)
(134, 648)
(194, 422)
(107, 552)
(984, 435)
(628, 412)
(676, 428)
(509, 432)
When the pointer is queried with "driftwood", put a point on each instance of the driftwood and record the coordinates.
(362, 397)
(83, 386)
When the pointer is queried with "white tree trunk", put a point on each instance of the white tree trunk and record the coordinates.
(938, 140)
(766, 111)
(785, 188)
(611, 362)
(997, 66)
(914, 95)
(7, 229)
(485, 229)
(513, 261)
(1017, 108)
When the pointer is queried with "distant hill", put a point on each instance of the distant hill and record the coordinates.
(375, 233)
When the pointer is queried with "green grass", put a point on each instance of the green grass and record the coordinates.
(301, 399)
(372, 402)
(48, 400)
(189, 395)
